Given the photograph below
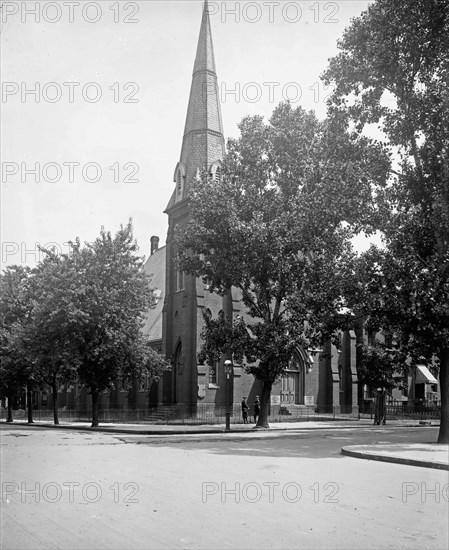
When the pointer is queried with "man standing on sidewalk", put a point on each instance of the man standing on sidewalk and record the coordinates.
(256, 409)
(245, 411)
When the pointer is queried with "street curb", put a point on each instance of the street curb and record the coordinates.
(105, 429)
(395, 460)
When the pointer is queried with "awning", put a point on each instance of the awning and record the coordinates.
(424, 376)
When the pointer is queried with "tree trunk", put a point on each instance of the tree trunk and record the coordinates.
(443, 436)
(30, 405)
(95, 395)
(262, 421)
(9, 418)
(54, 388)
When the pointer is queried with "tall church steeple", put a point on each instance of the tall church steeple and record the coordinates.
(203, 141)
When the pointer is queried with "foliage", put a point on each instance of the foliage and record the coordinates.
(16, 369)
(393, 71)
(113, 293)
(79, 316)
(381, 367)
(276, 228)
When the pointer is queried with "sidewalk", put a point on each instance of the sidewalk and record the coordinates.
(196, 429)
(185, 429)
(425, 455)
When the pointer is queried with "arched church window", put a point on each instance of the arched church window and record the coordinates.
(177, 359)
(179, 185)
(180, 280)
(340, 377)
(215, 171)
(179, 179)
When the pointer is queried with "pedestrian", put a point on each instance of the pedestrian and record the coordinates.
(380, 409)
(256, 409)
(245, 411)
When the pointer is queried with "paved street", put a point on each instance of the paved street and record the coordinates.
(69, 489)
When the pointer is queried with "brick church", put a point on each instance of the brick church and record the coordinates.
(311, 383)
(174, 326)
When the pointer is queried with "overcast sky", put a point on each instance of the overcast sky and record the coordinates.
(127, 71)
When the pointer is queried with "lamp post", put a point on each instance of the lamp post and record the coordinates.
(228, 371)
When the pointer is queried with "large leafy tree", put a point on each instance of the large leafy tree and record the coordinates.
(112, 294)
(56, 317)
(276, 228)
(79, 317)
(17, 370)
(393, 71)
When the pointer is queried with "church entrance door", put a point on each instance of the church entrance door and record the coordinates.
(290, 388)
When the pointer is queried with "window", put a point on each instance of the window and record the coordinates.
(179, 184)
(179, 280)
(179, 180)
(213, 375)
(215, 171)
(340, 376)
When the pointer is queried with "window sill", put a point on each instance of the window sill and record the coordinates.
(213, 387)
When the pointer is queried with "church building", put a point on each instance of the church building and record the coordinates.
(174, 326)
(314, 382)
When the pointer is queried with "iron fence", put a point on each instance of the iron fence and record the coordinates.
(209, 413)
(185, 413)
(418, 410)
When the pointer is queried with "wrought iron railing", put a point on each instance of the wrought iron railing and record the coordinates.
(209, 413)
(187, 413)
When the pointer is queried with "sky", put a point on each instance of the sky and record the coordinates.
(94, 99)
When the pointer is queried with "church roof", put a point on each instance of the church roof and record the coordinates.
(155, 267)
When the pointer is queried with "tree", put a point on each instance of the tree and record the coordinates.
(55, 318)
(393, 71)
(275, 229)
(111, 292)
(381, 369)
(16, 368)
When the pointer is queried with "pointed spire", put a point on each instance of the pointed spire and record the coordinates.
(204, 59)
(203, 140)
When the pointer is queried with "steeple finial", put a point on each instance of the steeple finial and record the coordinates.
(205, 51)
